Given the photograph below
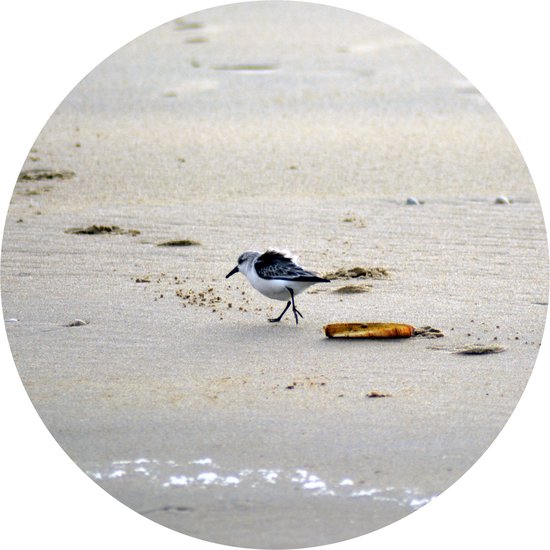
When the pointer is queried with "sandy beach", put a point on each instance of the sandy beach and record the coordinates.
(301, 127)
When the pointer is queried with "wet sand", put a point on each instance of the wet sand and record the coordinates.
(175, 394)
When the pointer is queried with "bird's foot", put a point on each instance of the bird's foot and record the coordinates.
(296, 313)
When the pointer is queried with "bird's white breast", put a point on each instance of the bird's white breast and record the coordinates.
(276, 289)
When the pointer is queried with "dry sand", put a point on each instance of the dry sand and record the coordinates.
(296, 126)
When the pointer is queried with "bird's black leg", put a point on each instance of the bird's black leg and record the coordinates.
(277, 319)
(294, 309)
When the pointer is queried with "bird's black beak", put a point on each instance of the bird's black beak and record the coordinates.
(232, 272)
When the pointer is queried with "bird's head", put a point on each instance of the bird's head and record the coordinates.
(244, 263)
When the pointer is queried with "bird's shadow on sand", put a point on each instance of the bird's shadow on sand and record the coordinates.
(258, 333)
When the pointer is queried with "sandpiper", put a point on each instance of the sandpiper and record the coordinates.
(276, 275)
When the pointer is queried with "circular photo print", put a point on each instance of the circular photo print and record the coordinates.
(274, 275)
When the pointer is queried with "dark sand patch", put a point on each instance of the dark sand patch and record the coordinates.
(358, 272)
(36, 192)
(183, 25)
(472, 349)
(38, 174)
(353, 289)
(480, 349)
(246, 67)
(180, 242)
(102, 229)
(197, 40)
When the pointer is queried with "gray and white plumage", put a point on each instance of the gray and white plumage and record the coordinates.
(277, 275)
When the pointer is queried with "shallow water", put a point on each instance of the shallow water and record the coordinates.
(205, 472)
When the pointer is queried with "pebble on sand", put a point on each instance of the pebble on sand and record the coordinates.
(502, 199)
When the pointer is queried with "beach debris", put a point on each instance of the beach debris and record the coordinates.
(412, 201)
(428, 332)
(145, 279)
(368, 330)
(358, 272)
(502, 199)
(353, 289)
(480, 349)
(77, 323)
(180, 242)
(376, 395)
(101, 229)
(37, 174)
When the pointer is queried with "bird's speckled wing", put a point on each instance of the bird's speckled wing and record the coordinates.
(274, 264)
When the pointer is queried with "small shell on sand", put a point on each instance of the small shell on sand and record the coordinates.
(368, 330)
(412, 201)
(502, 199)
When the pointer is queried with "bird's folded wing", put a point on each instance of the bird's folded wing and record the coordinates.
(276, 265)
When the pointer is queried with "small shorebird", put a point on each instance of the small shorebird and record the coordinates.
(276, 275)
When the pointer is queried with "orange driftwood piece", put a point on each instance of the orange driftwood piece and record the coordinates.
(368, 330)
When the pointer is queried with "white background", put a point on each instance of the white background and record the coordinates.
(47, 47)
